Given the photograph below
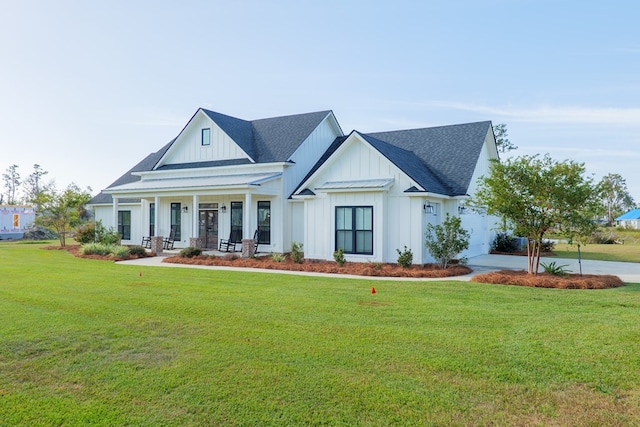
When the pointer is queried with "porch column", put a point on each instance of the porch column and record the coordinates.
(194, 216)
(194, 240)
(156, 204)
(115, 213)
(248, 249)
(247, 232)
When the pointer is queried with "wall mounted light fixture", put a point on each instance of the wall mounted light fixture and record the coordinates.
(223, 208)
(185, 209)
(428, 207)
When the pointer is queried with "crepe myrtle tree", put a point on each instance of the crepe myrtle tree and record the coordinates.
(62, 211)
(536, 194)
(445, 241)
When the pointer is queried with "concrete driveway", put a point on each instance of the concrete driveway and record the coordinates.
(627, 271)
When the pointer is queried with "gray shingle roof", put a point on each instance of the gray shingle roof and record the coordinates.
(449, 153)
(440, 159)
(265, 140)
(145, 165)
(269, 140)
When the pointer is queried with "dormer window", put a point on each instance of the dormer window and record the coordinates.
(206, 136)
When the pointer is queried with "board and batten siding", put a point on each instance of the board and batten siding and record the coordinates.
(308, 153)
(188, 147)
(398, 218)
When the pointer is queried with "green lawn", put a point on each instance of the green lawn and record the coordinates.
(86, 342)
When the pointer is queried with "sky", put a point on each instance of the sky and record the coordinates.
(88, 89)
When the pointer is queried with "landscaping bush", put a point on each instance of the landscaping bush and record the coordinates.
(119, 251)
(405, 258)
(277, 257)
(86, 233)
(547, 246)
(504, 242)
(96, 249)
(190, 252)
(445, 241)
(297, 255)
(338, 256)
(137, 250)
(555, 270)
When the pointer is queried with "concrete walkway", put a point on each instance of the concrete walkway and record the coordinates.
(627, 271)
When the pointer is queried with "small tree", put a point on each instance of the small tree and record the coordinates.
(62, 211)
(445, 241)
(535, 195)
(11, 183)
(614, 195)
(34, 186)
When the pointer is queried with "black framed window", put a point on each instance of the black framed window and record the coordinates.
(354, 229)
(152, 219)
(124, 225)
(236, 221)
(264, 223)
(206, 136)
(176, 221)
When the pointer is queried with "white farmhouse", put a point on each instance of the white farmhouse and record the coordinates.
(299, 178)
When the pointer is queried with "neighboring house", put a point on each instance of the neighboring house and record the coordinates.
(630, 220)
(299, 178)
(15, 221)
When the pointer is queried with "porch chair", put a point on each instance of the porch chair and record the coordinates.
(146, 242)
(167, 243)
(227, 245)
(255, 242)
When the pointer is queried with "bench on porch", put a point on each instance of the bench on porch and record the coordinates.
(146, 242)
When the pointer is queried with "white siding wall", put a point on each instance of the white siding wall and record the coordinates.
(188, 148)
(309, 152)
(399, 219)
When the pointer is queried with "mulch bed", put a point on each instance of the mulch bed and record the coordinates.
(75, 251)
(545, 280)
(320, 266)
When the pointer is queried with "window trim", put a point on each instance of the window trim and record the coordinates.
(124, 229)
(152, 219)
(237, 214)
(205, 142)
(264, 231)
(176, 227)
(354, 231)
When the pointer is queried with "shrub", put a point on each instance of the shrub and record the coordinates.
(547, 246)
(338, 256)
(86, 233)
(445, 241)
(504, 242)
(96, 249)
(190, 252)
(137, 250)
(277, 257)
(555, 270)
(106, 236)
(119, 251)
(602, 238)
(405, 258)
(230, 257)
(296, 252)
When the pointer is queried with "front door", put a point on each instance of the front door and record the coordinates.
(209, 228)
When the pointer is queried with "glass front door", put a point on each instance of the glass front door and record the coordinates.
(208, 232)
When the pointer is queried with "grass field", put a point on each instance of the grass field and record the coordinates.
(85, 342)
